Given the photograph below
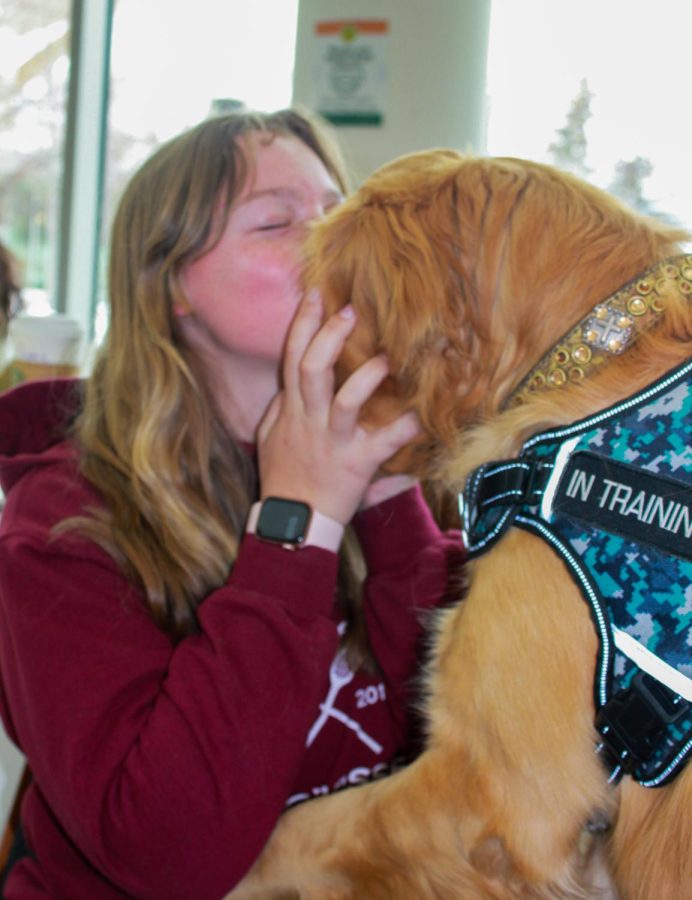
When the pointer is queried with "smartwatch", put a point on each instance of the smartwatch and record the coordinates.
(293, 525)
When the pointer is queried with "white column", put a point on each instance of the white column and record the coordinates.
(432, 66)
(85, 147)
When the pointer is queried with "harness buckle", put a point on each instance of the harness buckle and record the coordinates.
(516, 482)
(632, 719)
(493, 495)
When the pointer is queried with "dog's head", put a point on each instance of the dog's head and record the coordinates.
(464, 271)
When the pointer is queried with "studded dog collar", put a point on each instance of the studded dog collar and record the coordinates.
(609, 328)
(612, 495)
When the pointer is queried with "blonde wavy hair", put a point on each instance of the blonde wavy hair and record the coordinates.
(176, 486)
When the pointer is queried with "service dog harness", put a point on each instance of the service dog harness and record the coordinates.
(612, 494)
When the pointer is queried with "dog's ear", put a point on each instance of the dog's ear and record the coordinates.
(393, 251)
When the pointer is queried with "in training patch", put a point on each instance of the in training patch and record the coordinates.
(627, 501)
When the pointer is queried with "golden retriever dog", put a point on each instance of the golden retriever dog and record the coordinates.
(468, 273)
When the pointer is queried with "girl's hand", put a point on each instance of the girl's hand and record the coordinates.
(388, 486)
(310, 444)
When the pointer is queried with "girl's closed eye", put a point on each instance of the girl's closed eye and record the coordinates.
(267, 213)
(275, 225)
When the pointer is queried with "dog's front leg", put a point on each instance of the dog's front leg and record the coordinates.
(398, 837)
(299, 859)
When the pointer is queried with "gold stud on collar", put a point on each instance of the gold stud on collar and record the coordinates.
(610, 328)
(581, 354)
(636, 305)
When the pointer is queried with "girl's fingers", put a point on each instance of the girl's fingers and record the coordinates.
(354, 392)
(305, 326)
(316, 368)
(396, 434)
(385, 441)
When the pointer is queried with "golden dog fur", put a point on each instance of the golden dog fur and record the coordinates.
(465, 272)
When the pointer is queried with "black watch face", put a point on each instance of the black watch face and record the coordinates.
(285, 521)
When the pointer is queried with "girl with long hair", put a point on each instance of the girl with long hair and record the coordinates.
(188, 641)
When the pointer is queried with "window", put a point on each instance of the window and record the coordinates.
(609, 74)
(171, 65)
(34, 42)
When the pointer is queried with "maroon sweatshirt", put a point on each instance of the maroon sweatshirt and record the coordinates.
(160, 769)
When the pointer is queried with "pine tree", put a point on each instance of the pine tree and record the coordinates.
(568, 151)
(627, 183)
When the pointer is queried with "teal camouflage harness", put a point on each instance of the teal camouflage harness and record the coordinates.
(612, 494)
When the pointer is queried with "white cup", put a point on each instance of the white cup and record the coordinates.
(42, 347)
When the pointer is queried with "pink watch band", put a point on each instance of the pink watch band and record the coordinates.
(321, 532)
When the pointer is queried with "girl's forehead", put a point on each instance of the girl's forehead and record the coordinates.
(282, 162)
